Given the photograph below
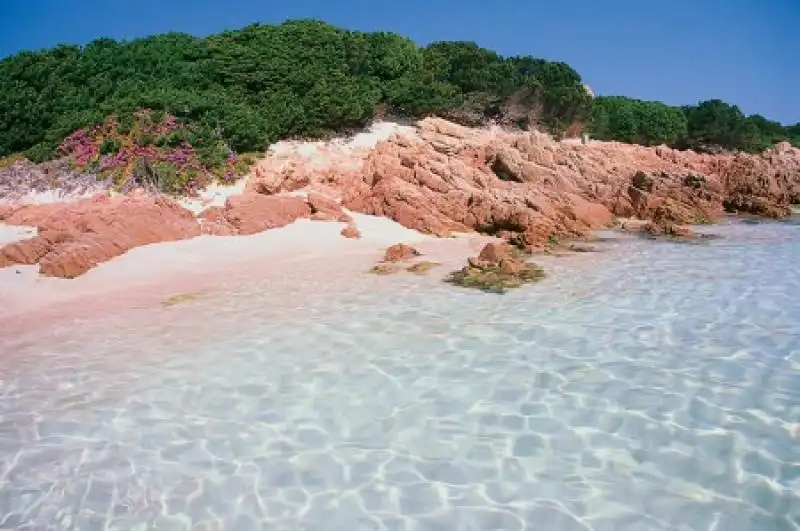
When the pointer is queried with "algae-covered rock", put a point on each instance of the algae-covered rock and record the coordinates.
(421, 268)
(495, 279)
(179, 299)
(384, 268)
(674, 233)
(497, 269)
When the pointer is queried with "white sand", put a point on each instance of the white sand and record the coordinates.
(214, 195)
(151, 272)
(13, 233)
(319, 152)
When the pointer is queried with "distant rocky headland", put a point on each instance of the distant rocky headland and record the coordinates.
(121, 144)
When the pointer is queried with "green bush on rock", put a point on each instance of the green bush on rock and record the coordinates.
(494, 278)
(497, 269)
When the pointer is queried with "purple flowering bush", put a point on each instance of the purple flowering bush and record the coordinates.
(153, 152)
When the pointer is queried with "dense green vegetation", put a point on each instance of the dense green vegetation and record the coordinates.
(637, 121)
(239, 91)
(708, 126)
(265, 82)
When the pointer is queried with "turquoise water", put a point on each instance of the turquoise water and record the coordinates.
(647, 387)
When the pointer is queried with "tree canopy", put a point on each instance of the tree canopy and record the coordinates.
(250, 87)
(265, 82)
(709, 125)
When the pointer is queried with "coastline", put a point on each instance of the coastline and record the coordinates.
(147, 276)
(296, 276)
(342, 202)
(315, 376)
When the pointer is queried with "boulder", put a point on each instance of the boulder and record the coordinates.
(253, 213)
(75, 237)
(324, 208)
(497, 269)
(351, 231)
(399, 252)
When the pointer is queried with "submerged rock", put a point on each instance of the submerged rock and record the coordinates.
(673, 233)
(496, 269)
(399, 252)
(180, 299)
(582, 248)
(384, 268)
(421, 268)
(351, 231)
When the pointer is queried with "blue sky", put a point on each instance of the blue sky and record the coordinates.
(745, 52)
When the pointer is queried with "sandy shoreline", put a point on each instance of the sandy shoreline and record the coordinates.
(147, 276)
(436, 177)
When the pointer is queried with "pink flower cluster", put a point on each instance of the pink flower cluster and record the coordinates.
(83, 147)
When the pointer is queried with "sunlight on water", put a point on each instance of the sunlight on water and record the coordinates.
(651, 386)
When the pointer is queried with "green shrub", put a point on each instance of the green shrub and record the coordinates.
(39, 153)
(256, 85)
(110, 146)
(214, 154)
(174, 139)
(125, 124)
(165, 177)
(143, 139)
(158, 116)
(242, 166)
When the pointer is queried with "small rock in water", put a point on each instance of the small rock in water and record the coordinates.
(399, 252)
(496, 269)
(578, 248)
(420, 268)
(384, 269)
(351, 231)
(180, 298)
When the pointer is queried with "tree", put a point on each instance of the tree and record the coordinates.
(261, 83)
(714, 123)
(613, 118)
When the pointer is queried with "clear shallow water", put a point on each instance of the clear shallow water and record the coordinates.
(652, 386)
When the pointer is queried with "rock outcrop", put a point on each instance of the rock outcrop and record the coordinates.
(351, 231)
(497, 269)
(439, 179)
(394, 254)
(399, 252)
(528, 188)
(253, 213)
(75, 237)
